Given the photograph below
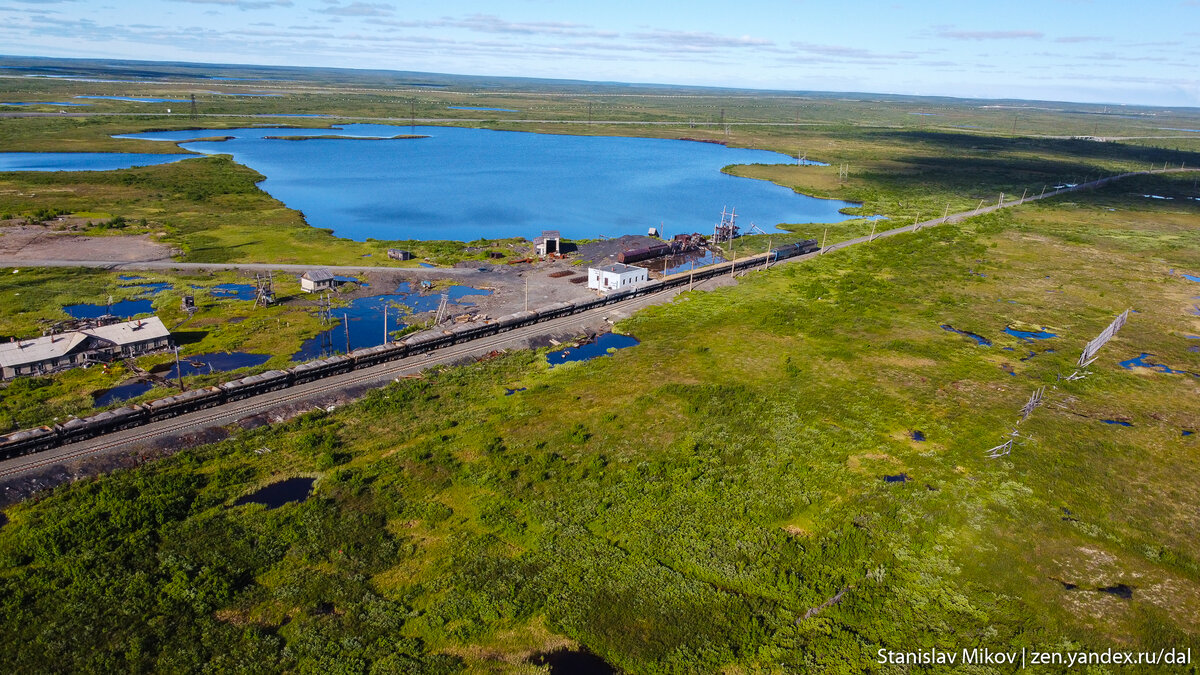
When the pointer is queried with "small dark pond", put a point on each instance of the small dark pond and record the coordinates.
(121, 392)
(125, 309)
(1189, 277)
(1120, 590)
(425, 264)
(1029, 335)
(598, 347)
(204, 364)
(1187, 432)
(510, 392)
(276, 495)
(129, 277)
(898, 478)
(918, 435)
(979, 339)
(568, 662)
(1117, 422)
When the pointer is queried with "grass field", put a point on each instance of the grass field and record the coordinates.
(714, 499)
(708, 487)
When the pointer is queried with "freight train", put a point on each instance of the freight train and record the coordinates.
(41, 438)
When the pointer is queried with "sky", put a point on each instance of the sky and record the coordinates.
(1101, 51)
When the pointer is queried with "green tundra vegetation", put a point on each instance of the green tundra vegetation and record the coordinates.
(712, 500)
(694, 503)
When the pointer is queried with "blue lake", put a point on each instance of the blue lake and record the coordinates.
(80, 161)
(467, 184)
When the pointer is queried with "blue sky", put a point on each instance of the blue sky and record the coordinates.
(1067, 50)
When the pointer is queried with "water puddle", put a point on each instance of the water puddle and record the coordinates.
(1157, 197)
(1190, 277)
(1187, 432)
(426, 265)
(365, 318)
(219, 362)
(569, 662)
(898, 478)
(125, 309)
(587, 352)
(121, 392)
(979, 339)
(1141, 362)
(1118, 422)
(276, 495)
(918, 436)
(510, 392)
(1029, 335)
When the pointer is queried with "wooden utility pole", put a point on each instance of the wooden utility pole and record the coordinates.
(385, 330)
(823, 240)
(346, 322)
(872, 237)
(526, 293)
(178, 370)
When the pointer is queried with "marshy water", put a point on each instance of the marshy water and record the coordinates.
(467, 184)
(589, 351)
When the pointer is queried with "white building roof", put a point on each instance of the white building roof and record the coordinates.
(23, 352)
(318, 275)
(50, 347)
(131, 332)
(619, 268)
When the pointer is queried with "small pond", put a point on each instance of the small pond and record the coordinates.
(573, 662)
(205, 364)
(233, 291)
(276, 495)
(1029, 335)
(587, 352)
(126, 309)
(149, 287)
(1141, 362)
(1118, 423)
(121, 392)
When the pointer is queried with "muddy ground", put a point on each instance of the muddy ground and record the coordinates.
(50, 242)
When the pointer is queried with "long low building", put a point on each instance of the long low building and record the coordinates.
(102, 344)
(616, 276)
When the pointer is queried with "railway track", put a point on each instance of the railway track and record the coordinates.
(377, 374)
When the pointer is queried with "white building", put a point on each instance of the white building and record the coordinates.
(615, 277)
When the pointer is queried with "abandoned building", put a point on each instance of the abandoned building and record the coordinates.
(317, 280)
(549, 243)
(71, 349)
(399, 254)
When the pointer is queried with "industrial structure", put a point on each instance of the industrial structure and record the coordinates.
(100, 344)
(615, 277)
(399, 254)
(550, 243)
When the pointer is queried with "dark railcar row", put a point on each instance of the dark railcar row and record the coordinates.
(32, 440)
